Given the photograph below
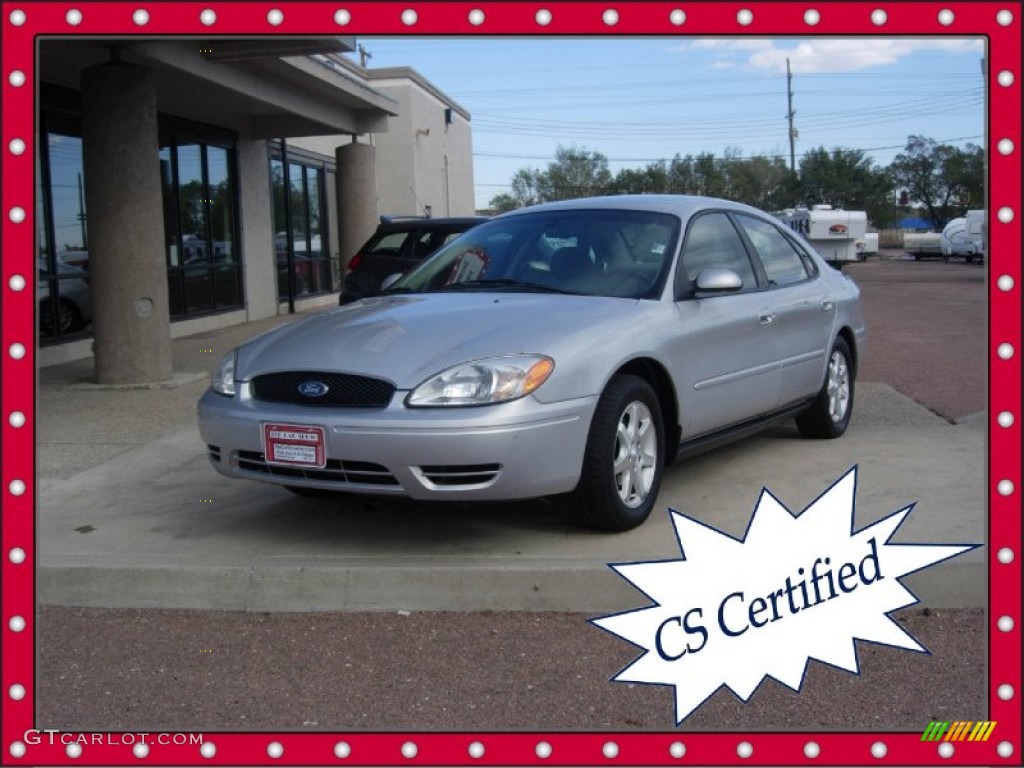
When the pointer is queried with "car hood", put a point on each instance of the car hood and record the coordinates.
(405, 339)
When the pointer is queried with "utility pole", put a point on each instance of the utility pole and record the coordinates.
(364, 56)
(789, 115)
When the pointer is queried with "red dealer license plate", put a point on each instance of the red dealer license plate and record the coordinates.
(294, 446)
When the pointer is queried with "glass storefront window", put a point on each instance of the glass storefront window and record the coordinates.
(298, 229)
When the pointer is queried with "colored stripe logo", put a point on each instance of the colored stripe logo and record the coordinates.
(958, 730)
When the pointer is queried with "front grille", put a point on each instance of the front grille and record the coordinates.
(341, 472)
(461, 474)
(343, 390)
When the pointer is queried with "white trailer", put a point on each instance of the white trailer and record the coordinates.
(837, 235)
(966, 237)
(922, 244)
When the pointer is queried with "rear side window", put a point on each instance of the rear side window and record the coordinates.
(387, 245)
(783, 263)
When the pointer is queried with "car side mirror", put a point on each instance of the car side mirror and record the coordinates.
(718, 280)
(390, 280)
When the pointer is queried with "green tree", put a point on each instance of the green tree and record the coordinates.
(846, 178)
(943, 179)
(573, 173)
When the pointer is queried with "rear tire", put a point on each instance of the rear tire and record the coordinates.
(624, 457)
(829, 416)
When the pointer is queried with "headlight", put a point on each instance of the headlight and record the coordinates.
(494, 380)
(224, 377)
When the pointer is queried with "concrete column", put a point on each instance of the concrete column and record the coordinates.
(357, 197)
(127, 266)
(257, 235)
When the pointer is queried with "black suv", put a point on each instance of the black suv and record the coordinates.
(398, 245)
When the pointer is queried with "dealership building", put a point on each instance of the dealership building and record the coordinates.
(189, 185)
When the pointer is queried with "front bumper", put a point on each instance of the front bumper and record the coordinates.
(518, 450)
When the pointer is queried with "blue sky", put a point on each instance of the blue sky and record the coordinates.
(638, 100)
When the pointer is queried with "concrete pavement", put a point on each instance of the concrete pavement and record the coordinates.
(130, 514)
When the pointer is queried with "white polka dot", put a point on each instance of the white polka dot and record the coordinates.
(1005, 282)
(74, 751)
(17, 146)
(610, 17)
(811, 17)
(409, 17)
(16, 556)
(1005, 214)
(17, 749)
(16, 283)
(342, 750)
(73, 17)
(1005, 146)
(1005, 351)
(677, 17)
(17, 351)
(275, 16)
(745, 749)
(16, 624)
(16, 419)
(275, 749)
(543, 750)
(946, 749)
(878, 18)
(17, 17)
(208, 17)
(16, 487)
(16, 692)
(879, 750)
(141, 750)
(1005, 692)
(677, 749)
(1005, 487)
(543, 17)
(946, 17)
(1005, 555)
(208, 750)
(1005, 78)
(17, 214)
(610, 750)
(476, 17)
(745, 17)
(1004, 18)
(342, 17)
(1005, 624)
(811, 749)
(409, 750)
(476, 750)
(1005, 749)
(141, 17)
(16, 78)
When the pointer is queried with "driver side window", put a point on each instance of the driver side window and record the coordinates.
(712, 241)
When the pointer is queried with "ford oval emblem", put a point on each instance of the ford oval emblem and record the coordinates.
(313, 388)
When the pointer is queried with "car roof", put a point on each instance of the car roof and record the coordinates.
(397, 223)
(682, 206)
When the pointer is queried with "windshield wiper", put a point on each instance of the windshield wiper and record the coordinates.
(506, 282)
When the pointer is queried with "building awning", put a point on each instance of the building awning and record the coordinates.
(264, 87)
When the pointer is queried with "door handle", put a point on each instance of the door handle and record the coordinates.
(766, 317)
(826, 305)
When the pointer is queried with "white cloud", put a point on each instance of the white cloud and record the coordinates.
(827, 55)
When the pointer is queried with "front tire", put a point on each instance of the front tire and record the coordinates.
(624, 457)
(829, 415)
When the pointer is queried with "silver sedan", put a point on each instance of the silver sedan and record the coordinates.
(569, 348)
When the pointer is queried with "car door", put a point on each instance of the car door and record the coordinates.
(803, 311)
(725, 356)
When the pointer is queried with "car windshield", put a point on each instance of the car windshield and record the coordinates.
(620, 253)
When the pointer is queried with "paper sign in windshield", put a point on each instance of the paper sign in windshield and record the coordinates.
(796, 587)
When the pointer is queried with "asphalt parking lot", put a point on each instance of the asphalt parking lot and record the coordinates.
(146, 556)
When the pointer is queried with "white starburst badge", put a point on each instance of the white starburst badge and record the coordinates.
(795, 587)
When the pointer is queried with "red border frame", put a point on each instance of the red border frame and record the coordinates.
(634, 18)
